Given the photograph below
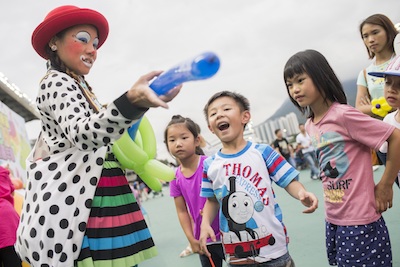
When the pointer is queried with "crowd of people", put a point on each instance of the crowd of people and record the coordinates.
(79, 209)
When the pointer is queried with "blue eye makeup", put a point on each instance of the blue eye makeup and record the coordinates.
(84, 37)
(96, 43)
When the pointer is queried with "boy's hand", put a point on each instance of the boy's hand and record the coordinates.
(309, 200)
(206, 232)
(195, 245)
(383, 197)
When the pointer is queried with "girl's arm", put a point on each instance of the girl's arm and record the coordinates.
(308, 199)
(210, 210)
(363, 103)
(186, 222)
(384, 189)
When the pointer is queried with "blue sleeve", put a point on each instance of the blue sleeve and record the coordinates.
(206, 183)
(280, 171)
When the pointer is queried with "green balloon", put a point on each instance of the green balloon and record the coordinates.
(149, 144)
(139, 156)
(122, 158)
(158, 169)
(151, 182)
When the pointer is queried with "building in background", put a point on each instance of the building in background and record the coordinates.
(15, 110)
(265, 132)
(19, 102)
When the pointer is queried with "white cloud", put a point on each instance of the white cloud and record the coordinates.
(252, 38)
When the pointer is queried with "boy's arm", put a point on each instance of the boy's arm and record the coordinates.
(384, 189)
(186, 222)
(210, 210)
(308, 199)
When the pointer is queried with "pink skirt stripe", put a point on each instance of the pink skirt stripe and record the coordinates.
(112, 181)
(115, 221)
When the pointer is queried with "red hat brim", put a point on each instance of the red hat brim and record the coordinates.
(63, 18)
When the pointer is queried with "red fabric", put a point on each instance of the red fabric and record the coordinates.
(9, 218)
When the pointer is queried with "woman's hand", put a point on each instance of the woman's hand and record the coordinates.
(143, 96)
(365, 101)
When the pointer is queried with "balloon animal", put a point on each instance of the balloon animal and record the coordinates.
(136, 148)
(380, 107)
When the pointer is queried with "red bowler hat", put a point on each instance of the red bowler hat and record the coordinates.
(62, 18)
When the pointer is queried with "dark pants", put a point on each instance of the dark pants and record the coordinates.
(9, 258)
(381, 157)
(217, 256)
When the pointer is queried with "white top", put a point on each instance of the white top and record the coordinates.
(305, 142)
(391, 119)
(250, 218)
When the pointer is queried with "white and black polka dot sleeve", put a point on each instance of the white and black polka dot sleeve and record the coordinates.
(68, 120)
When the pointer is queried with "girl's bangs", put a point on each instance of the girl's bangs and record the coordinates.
(292, 69)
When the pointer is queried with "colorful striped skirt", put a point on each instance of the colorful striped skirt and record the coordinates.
(116, 233)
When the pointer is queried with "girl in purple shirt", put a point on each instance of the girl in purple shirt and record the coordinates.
(183, 142)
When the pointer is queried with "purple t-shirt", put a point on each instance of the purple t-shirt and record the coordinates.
(189, 188)
(343, 139)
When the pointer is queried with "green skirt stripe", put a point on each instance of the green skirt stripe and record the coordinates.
(113, 201)
(127, 261)
(111, 165)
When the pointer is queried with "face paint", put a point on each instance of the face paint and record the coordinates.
(78, 49)
(84, 37)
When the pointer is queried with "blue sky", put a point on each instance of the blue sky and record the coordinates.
(253, 39)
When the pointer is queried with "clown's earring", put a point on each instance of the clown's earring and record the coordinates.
(53, 48)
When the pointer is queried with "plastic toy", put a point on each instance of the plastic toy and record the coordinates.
(200, 67)
(380, 107)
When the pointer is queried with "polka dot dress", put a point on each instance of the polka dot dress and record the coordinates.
(359, 245)
(64, 171)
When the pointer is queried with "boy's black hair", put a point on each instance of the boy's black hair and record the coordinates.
(242, 101)
(321, 73)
